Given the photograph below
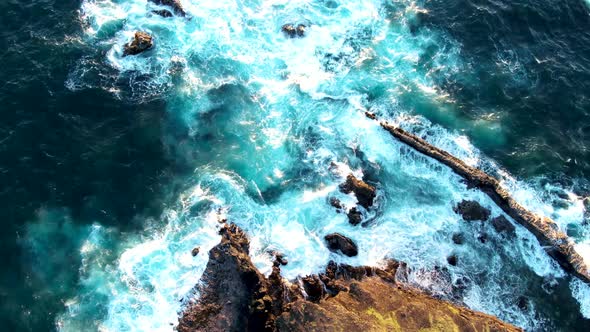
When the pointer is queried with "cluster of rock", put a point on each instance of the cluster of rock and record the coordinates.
(555, 242)
(235, 296)
(293, 31)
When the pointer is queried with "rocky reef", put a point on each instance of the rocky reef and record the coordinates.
(555, 242)
(234, 296)
(142, 41)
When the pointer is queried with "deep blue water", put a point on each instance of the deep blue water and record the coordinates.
(112, 169)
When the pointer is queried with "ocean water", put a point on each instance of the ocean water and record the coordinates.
(114, 168)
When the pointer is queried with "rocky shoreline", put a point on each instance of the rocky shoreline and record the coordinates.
(234, 296)
(555, 242)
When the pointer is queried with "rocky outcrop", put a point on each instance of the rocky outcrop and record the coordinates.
(338, 242)
(142, 41)
(234, 296)
(471, 211)
(365, 193)
(555, 242)
(175, 5)
(502, 225)
(354, 216)
(292, 30)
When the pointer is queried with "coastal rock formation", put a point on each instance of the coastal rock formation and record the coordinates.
(501, 224)
(292, 30)
(365, 193)
(555, 242)
(354, 216)
(235, 296)
(142, 41)
(471, 211)
(337, 241)
(175, 5)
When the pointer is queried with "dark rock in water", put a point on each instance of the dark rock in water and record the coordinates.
(365, 193)
(174, 4)
(472, 210)
(523, 303)
(482, 237)
(337, 241)
(354, 216)
(458, 238)
(586, 203)
(501, 224)
(235, 296)
(163, 13)
(335, 202)
(195, 251)
(142, 41)
(293, 31)
(280, 259)
(452, 260)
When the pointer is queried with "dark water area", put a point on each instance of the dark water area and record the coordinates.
(527, 69)
(86, 151)
(96, 156)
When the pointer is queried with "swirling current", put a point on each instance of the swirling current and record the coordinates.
(114, 167)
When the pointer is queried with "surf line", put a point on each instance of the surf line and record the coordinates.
(555, 242)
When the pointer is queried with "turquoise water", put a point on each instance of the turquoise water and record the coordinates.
(268, 126)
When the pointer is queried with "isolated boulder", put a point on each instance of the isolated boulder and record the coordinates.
(354, 216)
(471, 211)
(337, 241)
(142, 41)
(365, 193)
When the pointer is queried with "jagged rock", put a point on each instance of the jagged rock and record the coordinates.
(354, 216)
(142, 41)
(280, 259)
(501, 224)
(471, 211)
(231, 285)
(365, 193)
(555, 242)
(174, 4)
(452, 260)
(235, 296)
(292, 31)
(195, 251)
(458, 238)
(337, 241)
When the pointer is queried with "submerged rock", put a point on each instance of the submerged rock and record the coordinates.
(142, 41)
(354, 216)
(501, 224)
(471, 211)
(365, 193)
(458, 238)
(337, 241)
(452, 260)
(292, 31)
(335, 202)
(174, 4)
(235, 296)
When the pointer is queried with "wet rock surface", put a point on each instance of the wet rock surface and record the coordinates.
(142, 41)
(175, 5)
(471, 211)
(338, 242)
(354, 216)
(294, 31)
(235, 296)
(365, 193)
(501, 224)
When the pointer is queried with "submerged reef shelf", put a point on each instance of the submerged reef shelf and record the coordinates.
(554, 241)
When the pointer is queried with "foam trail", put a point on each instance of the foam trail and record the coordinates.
(272, 125)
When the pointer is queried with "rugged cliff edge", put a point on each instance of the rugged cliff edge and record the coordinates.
(555, 242)
(235, 296)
